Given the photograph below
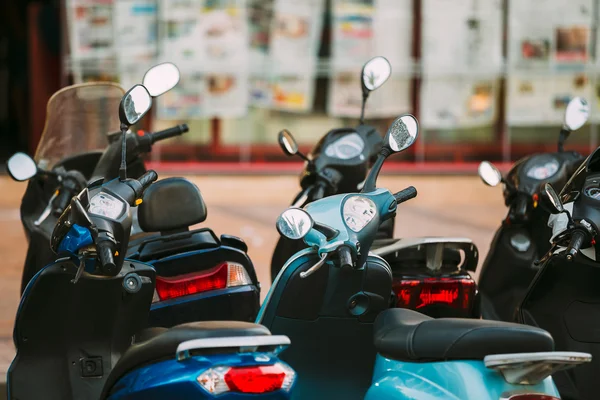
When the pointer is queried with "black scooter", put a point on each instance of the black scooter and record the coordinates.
(523, 236)
(564, 298)
(200, 276)
(339, 162)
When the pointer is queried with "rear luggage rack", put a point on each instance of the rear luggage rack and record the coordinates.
(241, 344)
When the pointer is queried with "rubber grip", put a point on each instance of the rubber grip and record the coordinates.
(577, 240)
(105, 255)
(147, 179)
(169, 133)
(61, 201)
(406, 194)
(345, 257)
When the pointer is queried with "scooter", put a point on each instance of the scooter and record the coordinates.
(339, 162)
(523, 236)
(430, 274)
(200, 276)
(79, 315)
(333, 301)
(563, 298)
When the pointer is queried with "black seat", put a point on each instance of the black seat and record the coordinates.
(407, 335)
(162, 343)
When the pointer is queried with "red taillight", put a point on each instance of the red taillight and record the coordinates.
(224, 275)
(457, 293)
(253, 380)
(528, 396)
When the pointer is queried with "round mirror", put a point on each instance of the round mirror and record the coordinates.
(21, 167)
(576, 114)
(375, 72)
(489, 174)
(402, 133)
(287, 142)
(134, 105)
(161, 78)
(294, 223)
(554, 199)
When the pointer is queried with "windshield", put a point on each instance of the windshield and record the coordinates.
(78, 118)
(575, 183)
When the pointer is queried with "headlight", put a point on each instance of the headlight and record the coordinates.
(106, 205)
(346, 147)
(358, 212)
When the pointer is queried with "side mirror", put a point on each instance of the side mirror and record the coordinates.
(554, 199)
(21, 167)
(287, 142)
(489, 174)
(402, 133)
(374, 73)
(576, 114)
(161, 78)
(294, 223)
(134, 105)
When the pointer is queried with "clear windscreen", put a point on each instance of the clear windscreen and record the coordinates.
(78, 119)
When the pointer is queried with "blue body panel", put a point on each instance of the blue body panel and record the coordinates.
(173, 379)
(76, 238)
(449, 380)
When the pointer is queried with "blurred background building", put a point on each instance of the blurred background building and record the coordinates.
(488, 79)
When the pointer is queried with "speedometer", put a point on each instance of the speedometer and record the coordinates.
(358, 212)
(346, 147)
(593, 192)
(543, 171)
(106, 205)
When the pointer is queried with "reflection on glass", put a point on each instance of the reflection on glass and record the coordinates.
(376, 72)
(294, 223)
(21, 167)
(161, 78)
(402, 132)
(136, 103)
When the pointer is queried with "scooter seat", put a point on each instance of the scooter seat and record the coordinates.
(407, 335)
(161, 343)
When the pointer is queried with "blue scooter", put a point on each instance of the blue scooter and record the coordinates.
(333, 301)
(79, 327)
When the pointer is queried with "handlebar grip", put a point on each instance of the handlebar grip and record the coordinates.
(168, 133)
(577, 239)
(61, 201)
(406, 194)
(147, 179)
(105, 255)
(345, 257)
(318, 191)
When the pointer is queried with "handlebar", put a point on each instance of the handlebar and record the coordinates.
(147, 179)
(168, 133)
(406, 194)
(105, 249)
(345, 256)
(578, 237)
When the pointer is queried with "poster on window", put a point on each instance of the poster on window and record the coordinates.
(179, 29)
(352, 32)
(461, 101)
(462, 36)
(549, 34)
(226, 95)
(542, 99)
(90, 28)
(135, 26)
(184, 101)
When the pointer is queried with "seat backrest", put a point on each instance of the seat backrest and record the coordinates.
(157, 247)
(171, 205)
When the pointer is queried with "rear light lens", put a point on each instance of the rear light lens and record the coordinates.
(457, 293)
(227, 274)
(528, 396)
(254, 379)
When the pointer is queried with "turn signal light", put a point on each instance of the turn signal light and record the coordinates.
(227, 274)
(255, 379)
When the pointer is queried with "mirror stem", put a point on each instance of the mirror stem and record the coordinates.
(362, 108)
(123, 167)
(369, 185)
(562, 137)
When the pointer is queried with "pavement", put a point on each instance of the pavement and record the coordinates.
(247, 206)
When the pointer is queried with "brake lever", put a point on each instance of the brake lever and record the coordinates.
(546, 256)
(85, 254)
(46, 211)
(314, 268)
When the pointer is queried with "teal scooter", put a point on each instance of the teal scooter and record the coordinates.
(333, 300)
